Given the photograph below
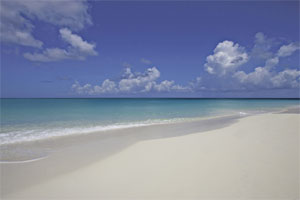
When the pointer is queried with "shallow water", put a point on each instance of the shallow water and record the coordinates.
(24, 120)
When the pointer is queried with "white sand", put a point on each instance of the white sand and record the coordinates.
(257, 157)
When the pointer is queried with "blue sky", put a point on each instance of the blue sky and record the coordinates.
(149, 49)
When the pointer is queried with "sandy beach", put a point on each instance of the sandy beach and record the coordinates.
(149, 100)
(255, 157)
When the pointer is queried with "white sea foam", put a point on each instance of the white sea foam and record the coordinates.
(25, 135)
(242, 113)
(23, 161)
(36, 133)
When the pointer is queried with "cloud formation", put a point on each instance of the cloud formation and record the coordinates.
(262, 77)
(226, 58)
(77, 42)
(268, 77)
(232, 69)
(17, 26)
(224, 74)
(16, 16)
(131, 82)
(287, 50)
(262, 46)
(77, 49)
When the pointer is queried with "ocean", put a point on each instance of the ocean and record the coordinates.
(24, 120)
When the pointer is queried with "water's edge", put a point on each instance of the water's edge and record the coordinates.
(34, 150)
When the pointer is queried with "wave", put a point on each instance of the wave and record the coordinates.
(30, 135)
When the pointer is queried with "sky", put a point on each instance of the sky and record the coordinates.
(212, 49)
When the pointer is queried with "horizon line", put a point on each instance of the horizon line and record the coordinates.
(292, 98)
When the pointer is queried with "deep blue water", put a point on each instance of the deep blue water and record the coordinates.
(33, 119)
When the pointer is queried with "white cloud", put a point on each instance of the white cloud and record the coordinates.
(21, 37)
(77, 42)
(287, 50)
(14, 27)
(259, 77)
(16, 18)
(51, 54)
(262, 77)
(131, 83)
(267, 77)
(262, 46)
(289, 78)
(78, 49)
(134, 82)
(107, 86)
(86, 89)
(73, 14)
(271, 62)
(226, 58)
(164, 86)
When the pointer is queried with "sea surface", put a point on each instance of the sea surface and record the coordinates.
(37, 119)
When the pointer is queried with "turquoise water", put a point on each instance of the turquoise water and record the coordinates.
(35, 119)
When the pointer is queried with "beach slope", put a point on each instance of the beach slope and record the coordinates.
(255, 157)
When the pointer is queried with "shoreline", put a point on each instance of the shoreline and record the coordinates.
(14, 152)
(257, 141)
(151, 131)
(70, 131)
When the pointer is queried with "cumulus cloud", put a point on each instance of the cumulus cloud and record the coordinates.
(287, 50)
(77, 49)
(107, 86)
(289, 78)
(131, 82)
(85, 89)
(260, 76)
(134, 82)
(164, 86)
(226, 58)
(223, 67)
(16, 18)
(147, 81)
(267, 77)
